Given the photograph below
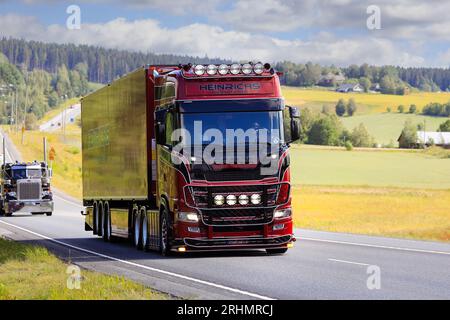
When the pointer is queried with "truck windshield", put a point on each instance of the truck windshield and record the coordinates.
(19, 173)
(34, 173)
(23, 173)
(262, 123)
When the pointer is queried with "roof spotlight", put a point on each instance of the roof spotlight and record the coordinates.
(247, 68)
(235, 68)
(267, 66)
(223, 69)
(258, 68)
(211, 69)
(199, 69)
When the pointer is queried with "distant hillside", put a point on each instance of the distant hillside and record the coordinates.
(104, 65)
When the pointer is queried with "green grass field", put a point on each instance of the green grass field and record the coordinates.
(386, 127)
(29, 272)
(324, 166)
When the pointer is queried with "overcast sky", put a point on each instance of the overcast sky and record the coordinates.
(413, 32)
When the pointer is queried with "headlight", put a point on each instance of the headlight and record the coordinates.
(243, 199)
(188, 216)
(282, 213)
(211, 69)
(258, 68)
(235, 68)
(199, 69)
(247, 68)
(231, 200)
(223, 69)
(219, 200)
(255, 198)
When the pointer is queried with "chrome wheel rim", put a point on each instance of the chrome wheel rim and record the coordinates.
(144, 231)
(136, 231)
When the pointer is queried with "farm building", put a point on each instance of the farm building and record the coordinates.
(350, 87)
(331, 79)
(427, 138)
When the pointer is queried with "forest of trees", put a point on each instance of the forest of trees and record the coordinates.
(104, 65)
(26, 95)
(392, 80)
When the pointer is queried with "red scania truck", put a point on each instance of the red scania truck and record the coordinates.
(138, 183)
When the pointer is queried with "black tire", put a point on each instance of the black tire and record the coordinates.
(106, 222)
(101, 210)
(95, 218)
(37, 213)
(164, 244)
(137, 229)
(277, 251)
(49, 214)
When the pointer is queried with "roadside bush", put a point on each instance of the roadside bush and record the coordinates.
(360, 137)
(445, 126)
(348, 146)
(408, 135)
(30, 121)
(401, 108)
(412, 108)
(324, 131)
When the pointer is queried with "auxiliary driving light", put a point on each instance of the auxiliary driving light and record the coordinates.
(278, 227)
(255, 198)
(219, 200)
(247, 68)
(258, 68)
(182, 249)
(199, 69)
(231, 200)
(223, 69)
(211, 69)
(243, 199)
(188, 216)
(235, 68)
(282, 213)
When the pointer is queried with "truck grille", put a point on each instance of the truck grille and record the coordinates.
(28, 190)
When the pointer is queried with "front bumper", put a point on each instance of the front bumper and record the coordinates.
(39, 206)
(233, 243)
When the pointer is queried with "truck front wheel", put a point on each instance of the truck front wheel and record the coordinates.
(49, 214)
(276, 251)
(164, 226)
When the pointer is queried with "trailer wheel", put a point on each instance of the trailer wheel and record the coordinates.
(164, 239)
(49, 214)
(95, 217)
(144, 237)
(137, 229)
(106, 223)
(101, 212)
(276, 251)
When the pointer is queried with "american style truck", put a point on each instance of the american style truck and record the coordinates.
(145, 173)
(25, 187)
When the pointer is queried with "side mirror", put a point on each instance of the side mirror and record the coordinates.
(292, 124)
(160, 133)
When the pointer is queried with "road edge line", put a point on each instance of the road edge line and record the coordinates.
(172, 274)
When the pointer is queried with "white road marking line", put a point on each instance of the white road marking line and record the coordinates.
(172, 274)
(349, 262)
(300, 238)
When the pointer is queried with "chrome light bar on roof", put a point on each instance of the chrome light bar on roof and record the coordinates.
(235, 69)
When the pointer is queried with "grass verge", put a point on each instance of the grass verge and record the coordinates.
(31, 272)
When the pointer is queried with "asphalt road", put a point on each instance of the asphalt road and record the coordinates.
(68, 115)
(322, 265)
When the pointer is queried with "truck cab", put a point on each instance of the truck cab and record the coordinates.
(25, 187)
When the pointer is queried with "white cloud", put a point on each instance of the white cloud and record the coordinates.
(200, 39)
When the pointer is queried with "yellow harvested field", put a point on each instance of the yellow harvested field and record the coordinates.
(376, 102)
(403, 213)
